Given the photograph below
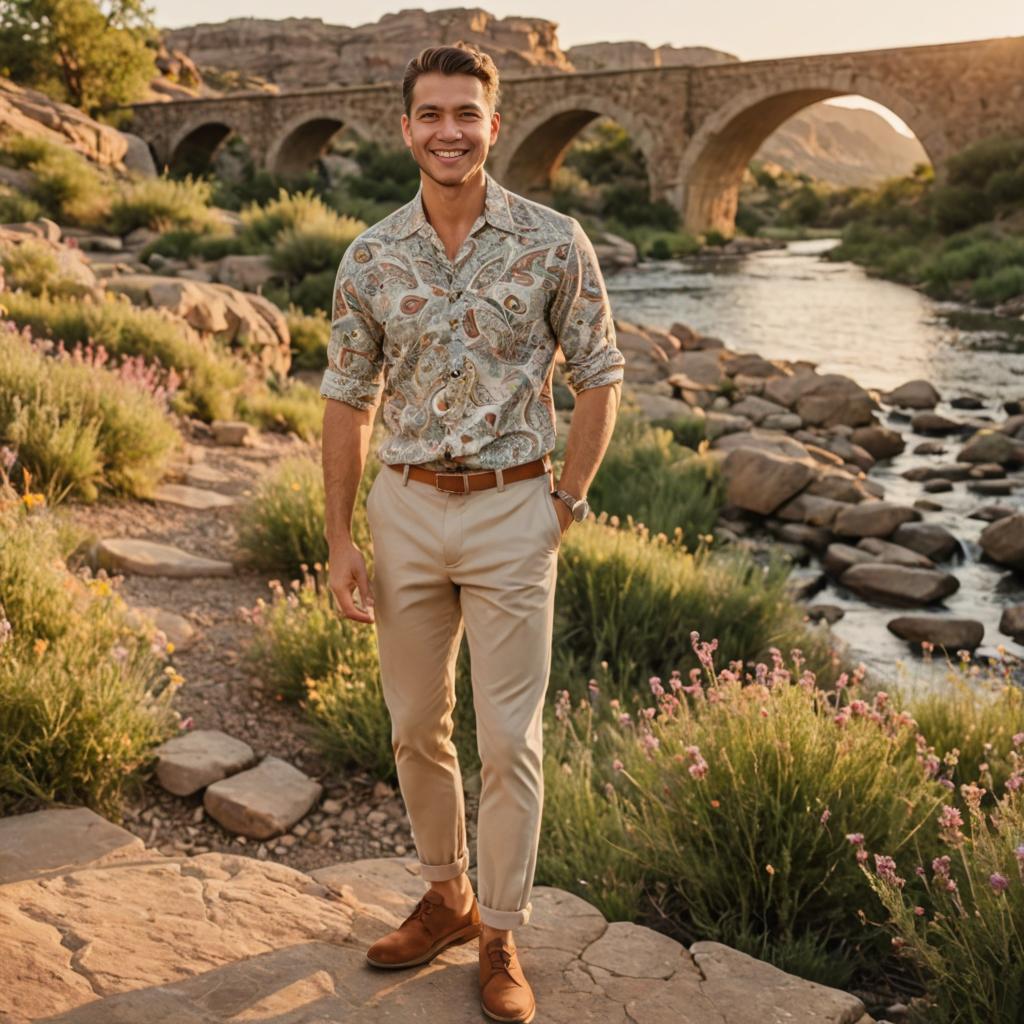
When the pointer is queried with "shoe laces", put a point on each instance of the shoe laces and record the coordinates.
(500, 956)
(422, 909)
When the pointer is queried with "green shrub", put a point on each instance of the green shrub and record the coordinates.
(645, 473)
(33, 266)
(82, 695)
(16, 207)
(630, 599)
(956, 207)
(1005, 283)
(210, 378)
(309, 249)
(687, 431)
(81, 428)
(975, 165)
(309, 333)
(967, 933)
(289, 406)
(66, 185)
(735, 807)
(165, 204)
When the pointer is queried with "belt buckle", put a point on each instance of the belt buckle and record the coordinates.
(451, 490)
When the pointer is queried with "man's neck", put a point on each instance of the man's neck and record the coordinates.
(451, 207)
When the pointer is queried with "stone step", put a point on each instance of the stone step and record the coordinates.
(264, 801)
(148, 558)
(195, 498)
(178, 630)
(220, 937)
(189, 762)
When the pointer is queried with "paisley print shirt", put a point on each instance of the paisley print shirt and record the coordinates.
(465, 348)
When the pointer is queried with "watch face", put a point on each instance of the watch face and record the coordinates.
(581, 510)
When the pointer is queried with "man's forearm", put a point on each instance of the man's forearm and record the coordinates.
(590, 430)
(346, 442)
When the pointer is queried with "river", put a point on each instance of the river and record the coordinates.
(792, 303)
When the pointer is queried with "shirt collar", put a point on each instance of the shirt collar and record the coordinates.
(496, 210)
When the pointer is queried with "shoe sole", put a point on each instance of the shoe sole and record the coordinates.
(517, 1020)
(455, 939)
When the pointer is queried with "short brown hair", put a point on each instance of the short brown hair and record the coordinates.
(460, 58)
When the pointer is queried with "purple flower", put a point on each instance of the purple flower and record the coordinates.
(656, 688)
(856, 838)
(616, 765)
(886, 869)
(999, 883)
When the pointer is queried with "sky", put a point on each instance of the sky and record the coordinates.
(749, 29)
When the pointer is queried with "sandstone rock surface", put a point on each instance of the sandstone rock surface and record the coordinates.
(147, 558)
(187, 763)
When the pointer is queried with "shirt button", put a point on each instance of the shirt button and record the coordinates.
(453, 323)
(455, 373)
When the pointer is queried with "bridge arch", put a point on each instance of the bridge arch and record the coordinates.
(304, 138)
(536, 147)
(193, 147)
(714, 159)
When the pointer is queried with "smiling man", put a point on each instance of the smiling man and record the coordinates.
(458, 302)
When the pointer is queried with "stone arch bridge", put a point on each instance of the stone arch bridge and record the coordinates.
(697, 127)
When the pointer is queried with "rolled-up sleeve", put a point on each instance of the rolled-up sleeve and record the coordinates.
(581, 318)
(354, 352)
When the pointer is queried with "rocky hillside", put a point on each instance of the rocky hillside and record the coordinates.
(830, 143)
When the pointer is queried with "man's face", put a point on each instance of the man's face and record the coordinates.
(449, 116)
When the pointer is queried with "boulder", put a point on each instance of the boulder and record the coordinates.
(756, 409)
(823, 400)
(1011, 622)
(1003, 541)
(873, 519)
(264, 801)
(760, 481)
(811, 509)
(839, 557)
(934, 423)
(951, 633)
(993, 446)
(190, 762)
(929, 539)
(898, 584)
(915, 394)
(881, 442)
(249, 325)
(895, 554)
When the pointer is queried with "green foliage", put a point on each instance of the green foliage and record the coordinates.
(291, 405)
(967, 933)
(646, 474)
(211, 378)
(66, 186)
(309, 336)
(165, 204)
(388, 176)
(33, 266)
(80, 428)
(79, 52)
(727, 806)
(956, 207)
(82, 695)
(15, 207)
(630, 599)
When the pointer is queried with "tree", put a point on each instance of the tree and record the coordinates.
(80, 52)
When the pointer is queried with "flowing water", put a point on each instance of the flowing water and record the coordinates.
(794, 304)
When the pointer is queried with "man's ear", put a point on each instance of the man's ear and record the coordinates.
(495, 126)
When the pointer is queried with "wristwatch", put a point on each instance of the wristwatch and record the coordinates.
(579, 507)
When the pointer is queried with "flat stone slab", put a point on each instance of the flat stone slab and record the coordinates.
(62, 839)
(147, 558)
(196, 498)
(178, 630)
(263, 801)
(189, 762)
(199, 474)
(219, 937)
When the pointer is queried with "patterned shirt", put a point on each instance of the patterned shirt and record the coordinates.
(466, 347)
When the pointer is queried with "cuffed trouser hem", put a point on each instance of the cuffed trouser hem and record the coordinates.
(442, 872)
(504, 919)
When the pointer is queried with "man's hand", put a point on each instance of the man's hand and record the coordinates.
(347, 569)
(563, 512)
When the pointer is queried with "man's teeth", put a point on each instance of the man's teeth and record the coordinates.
(449, 152)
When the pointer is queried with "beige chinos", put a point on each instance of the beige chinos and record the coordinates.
(487, 561)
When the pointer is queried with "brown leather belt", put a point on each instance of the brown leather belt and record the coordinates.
(464, 481)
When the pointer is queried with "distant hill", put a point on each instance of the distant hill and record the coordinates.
(834, 144)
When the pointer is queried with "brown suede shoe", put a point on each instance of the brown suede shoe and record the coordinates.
(505, 994)
(429, 929)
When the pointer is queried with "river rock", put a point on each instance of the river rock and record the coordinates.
(263, 801)
(938, 486)
(943, 471)
(934, 423)
(816, 538)
(756, 409)
(915, 394)
(898, 584)
(993, 446)
(1011, 622)
(760, 481)
(839, 485)
(881, 442)
(967, 402)
(763, 440)
(831, 613)
(787, 421)
(823, 400)
(993, 488)
(925, 505)
(990, 513)
(839, 557)
(721, 424)
(873, 519)
(987, 471)
(929, 539)
(812, 509)
(1003, 541)
(895, 554)
(148, 558)
(951, 633)
(930, 448)
(189, 762)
